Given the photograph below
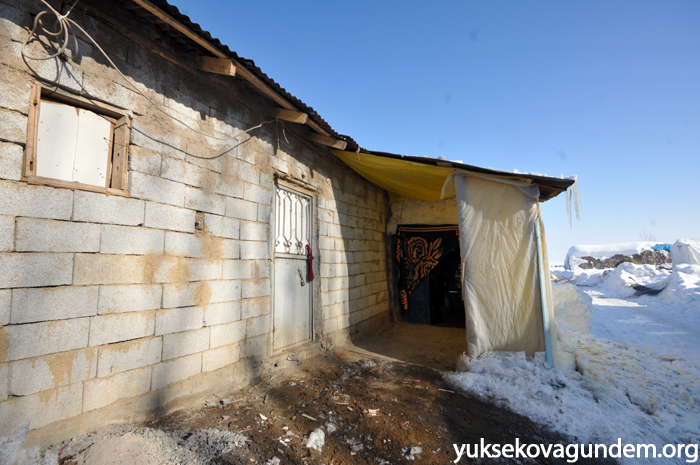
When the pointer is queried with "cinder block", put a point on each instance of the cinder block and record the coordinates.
(237, 269)
(7, 233)
(106, 329)
(263, 213)
(186, 245)
(339, 309)
(263, 269)
(257, 194)
(343, 321)
(166, 142)
(222, 313)
(176, 320)
(251, 231)
(13, 126)
(131, 240)
(255, 250)
(257, 326)
(109, 269)
(54, 303)
(249, 173)
(36, 235)
(252, 308)
(21, 199)
(101, 392)
(326, 243)
(11, 158)
(199, 200)
(189, 342)
(182, 172)
(110, 209)
(187, 269)
(156, 189)
(129, 298)
(241, 209)
(116, 358)
(144, 160)
(258, 347)
(230, 249)
(185, 105)
(280, 165)
(186, 294)
(51, 371)
(327, 270)
(258, 288)
(17, 89)
(229, 185)
(214, 359)
(213, 224)
(222, 335)
(330, 325)
(167, 217)
(200, 293)
(36, 339)
(231, 228)
(225, 291)
(35, 269)
(266, 180)
(166, 373)
(5, 303)
(41, 409)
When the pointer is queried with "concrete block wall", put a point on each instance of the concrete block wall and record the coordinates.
(353, 272)
(106, 299)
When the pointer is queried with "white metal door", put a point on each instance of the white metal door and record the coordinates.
(293, 296)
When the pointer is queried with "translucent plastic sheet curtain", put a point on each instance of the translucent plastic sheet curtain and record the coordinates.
(499, 253)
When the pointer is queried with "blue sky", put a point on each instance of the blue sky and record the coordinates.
(607, 90)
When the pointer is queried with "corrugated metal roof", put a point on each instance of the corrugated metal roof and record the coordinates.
(249, 64)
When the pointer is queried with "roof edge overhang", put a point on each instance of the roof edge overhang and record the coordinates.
(422, 178)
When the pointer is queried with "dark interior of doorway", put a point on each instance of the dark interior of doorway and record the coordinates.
(437, 299)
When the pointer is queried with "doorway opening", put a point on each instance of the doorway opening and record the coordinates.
(428, 267)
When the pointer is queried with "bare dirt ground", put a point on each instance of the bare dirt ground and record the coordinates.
(353, 409)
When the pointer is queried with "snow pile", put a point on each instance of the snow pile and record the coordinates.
(575, 253)
(621, 282)
(683, 288)
(605, 389)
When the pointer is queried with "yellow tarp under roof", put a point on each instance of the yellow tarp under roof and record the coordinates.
(401, 178)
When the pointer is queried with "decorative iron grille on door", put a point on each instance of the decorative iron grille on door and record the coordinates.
(292, 222)
(292, 322)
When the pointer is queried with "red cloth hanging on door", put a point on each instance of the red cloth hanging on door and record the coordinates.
(310, 262)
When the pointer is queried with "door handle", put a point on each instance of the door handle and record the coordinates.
(301, 277)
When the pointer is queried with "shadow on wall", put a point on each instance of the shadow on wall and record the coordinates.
(357, 276)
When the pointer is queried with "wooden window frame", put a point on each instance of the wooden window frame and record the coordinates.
(118, 162)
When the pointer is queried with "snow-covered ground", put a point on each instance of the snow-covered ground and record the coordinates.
(629, 363)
